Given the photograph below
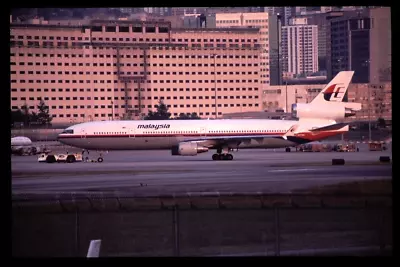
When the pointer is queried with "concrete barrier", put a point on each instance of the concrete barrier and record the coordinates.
(337, 161)
(384, 159)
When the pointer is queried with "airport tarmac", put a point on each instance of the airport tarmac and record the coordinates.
(157, 172)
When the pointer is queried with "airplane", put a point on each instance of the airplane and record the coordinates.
(20, 141)
(21, 145)
(315, 121)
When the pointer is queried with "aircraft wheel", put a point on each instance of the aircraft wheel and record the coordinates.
(287, 149)
(70, 159)
(51, 159)
(229, 157)
(100, 159)
(215, 157)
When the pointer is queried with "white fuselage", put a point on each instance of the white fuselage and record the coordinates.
(20, 141)
(163, 134)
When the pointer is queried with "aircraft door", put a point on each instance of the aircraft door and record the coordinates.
(203, 131)
(83, 134)
(131, 133)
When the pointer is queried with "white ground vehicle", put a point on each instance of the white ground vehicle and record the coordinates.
(69, 158)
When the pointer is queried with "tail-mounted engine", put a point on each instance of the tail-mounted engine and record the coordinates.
(331, 111)
(188, 149)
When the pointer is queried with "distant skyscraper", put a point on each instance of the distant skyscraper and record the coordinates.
(161, 11)
(300, 48)
(285, 12)
(380, 45)
(350, 45)
(300, 9)
(273, 35)
(313, 8)
(325, 9)
(288, 13)
(321, 20)
(179, 11)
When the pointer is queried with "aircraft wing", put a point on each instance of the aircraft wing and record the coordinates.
(336, 126)
(211, 141)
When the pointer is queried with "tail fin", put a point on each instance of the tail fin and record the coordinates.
(336, 88)
(94, 249)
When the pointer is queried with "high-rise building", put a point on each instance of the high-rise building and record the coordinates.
(325, 9)
(218, 10)
(199, 21)
(161, 11)
(122, 69)
(300, 47)
(299, 10)
(321, 20)
(274, 33)
(285, 12)
(180, 11)
(380, 62)
(251, 20)
(350, 45)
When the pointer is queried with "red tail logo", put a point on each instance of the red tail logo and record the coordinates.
(333, 91)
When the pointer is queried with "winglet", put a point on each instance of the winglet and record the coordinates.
(94, 249)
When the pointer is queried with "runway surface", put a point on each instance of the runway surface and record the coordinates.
(157, 172)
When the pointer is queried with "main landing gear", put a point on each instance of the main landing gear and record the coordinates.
(222, 154)
(222, 157)
(86, 159)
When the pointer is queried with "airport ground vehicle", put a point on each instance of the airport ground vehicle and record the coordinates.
(69, 158)
(315, 148)
(351, 147)
(377, 146)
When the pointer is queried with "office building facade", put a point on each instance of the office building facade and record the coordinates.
(380, 62)
(285, 12)
(122, 69)
(321, 20)
(251, 20)
(349, 45)
(300, 49)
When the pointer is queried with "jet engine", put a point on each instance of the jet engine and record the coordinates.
(188, 149)
(332, 111)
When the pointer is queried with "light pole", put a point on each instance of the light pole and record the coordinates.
(286, 92)
(215, 86)
(277, 31)
(369, 112)
(369, 105)
(286, 96)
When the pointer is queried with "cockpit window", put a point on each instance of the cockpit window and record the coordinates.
(68, 131)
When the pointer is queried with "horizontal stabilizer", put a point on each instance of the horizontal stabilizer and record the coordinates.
(332, 127)
(353, 106)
